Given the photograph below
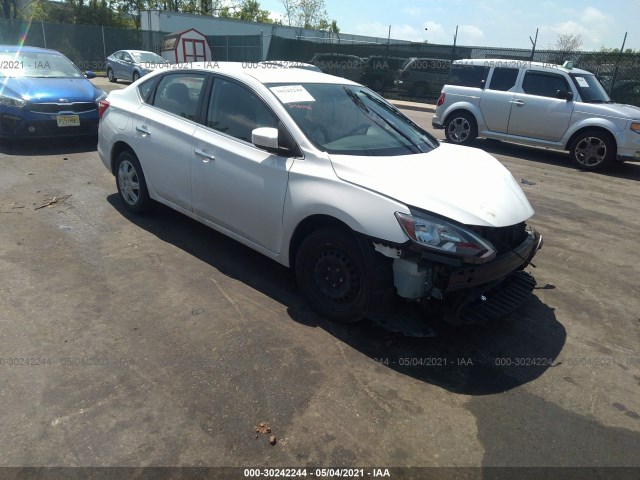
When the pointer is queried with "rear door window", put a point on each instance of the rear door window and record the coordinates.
(503, 79)
(179, 94)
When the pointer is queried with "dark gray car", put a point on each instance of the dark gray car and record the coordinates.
(132, 64)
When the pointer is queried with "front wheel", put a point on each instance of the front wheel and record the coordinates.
(131, 183)
(136, 76)
(593, 150)
(341, 277)
(461, 128)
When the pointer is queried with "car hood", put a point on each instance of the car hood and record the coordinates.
(51, 89)
(464, 184)
(618, 110)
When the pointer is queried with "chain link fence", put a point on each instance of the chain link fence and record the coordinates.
(378, 65)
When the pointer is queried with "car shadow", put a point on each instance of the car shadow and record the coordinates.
(472, 359)
(49, 146)
(626, 170)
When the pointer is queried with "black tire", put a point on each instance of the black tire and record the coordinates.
(112, 78)
(593, 150)
(136, 76)
(343, 278)
(131, 183)
(461, 128)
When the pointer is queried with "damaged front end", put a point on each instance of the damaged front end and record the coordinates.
(470, 274)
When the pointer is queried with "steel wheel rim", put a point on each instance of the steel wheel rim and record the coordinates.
(129, 182)
(459, 129)
(335, 276)
(591, 151)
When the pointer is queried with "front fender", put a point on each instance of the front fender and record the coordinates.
(323, 193)
(613, 126)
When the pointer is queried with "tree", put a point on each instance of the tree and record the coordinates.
(250, 10)
(568, 42)
(9, 9)
(308, 14)
(311, 13)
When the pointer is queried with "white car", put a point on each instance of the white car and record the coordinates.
(323, 175)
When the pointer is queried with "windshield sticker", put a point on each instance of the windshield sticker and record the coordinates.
(292, 93)
(582, 82)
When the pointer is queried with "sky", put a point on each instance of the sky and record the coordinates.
(496, 23)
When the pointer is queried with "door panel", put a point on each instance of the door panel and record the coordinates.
(536, 113)
(164, 136)
(235, 184)
(496, 108)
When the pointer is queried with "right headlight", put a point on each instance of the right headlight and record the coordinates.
(445, 237)
(12, 101)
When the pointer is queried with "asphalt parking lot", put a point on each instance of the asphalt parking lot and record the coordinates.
(155, 341)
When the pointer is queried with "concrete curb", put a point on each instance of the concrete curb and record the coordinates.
(420, 107)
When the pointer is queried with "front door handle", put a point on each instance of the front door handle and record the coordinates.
(206, 157)
(517, 102)
(143, 130)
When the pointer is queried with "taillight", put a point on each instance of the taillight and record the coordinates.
(441, 99)
(102, 107)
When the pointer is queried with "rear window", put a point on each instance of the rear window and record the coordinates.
(468, 75)
(503, 79)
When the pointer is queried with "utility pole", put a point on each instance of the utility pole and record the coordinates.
(615, 72)
(534, 42)
(453, 51)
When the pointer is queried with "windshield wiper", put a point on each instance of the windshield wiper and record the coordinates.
(366, 109)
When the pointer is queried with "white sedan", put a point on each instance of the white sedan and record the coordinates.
(323, 175)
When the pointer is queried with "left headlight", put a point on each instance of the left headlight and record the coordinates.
(12, 101)
(445, 237)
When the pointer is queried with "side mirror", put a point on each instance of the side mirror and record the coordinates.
(567, 95)
(265, 137)
(89, 74)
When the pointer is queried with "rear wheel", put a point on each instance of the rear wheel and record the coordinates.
(593, 150)
(131, 183)
(111, 76)
(461, 128)
(343, 278)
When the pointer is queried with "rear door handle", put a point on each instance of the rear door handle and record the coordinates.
(143, 130)
(517, 102)
(204, 155)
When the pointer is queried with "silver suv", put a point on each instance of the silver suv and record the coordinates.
(538, 104)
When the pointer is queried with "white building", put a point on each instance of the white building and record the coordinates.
(171, 22)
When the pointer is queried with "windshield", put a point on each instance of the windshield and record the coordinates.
(147, 57)
(351, 120)
(590, 89)
(37, 65)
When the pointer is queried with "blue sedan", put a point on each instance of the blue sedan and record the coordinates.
(43, 94)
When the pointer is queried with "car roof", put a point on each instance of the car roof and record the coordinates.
(516, 63)
(136, 51)
(24, 48)
(243, 71)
